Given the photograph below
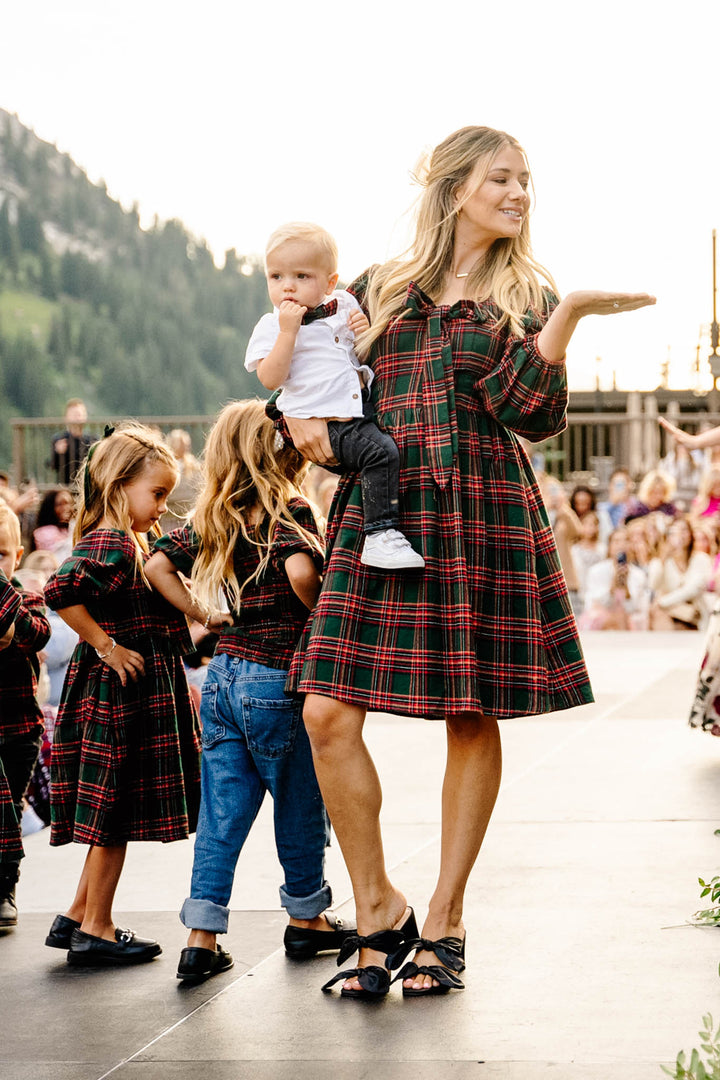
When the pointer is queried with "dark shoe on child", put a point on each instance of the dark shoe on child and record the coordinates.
(9, 874)
(8, 909)
(302, 944)
(198, 964)
(61, 932)
(87, 949)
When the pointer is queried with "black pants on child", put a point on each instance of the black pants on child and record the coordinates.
(360, 446)
(17, 761)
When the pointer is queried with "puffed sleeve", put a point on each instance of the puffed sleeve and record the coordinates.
(101, 564)
(286, 541)
(9, 604)
(180, 546)
(32, 629)
(525, 392)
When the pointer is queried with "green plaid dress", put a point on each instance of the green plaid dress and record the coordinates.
(487, 625)
(125, 760)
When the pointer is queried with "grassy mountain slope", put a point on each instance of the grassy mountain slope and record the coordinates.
(134, 321)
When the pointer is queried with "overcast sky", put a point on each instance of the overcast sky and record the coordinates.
(237, 117)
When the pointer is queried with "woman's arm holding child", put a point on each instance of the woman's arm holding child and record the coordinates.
(124, 661)
(163, 576)
(303, 577)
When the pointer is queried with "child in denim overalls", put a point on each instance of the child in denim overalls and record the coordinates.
(254, 539)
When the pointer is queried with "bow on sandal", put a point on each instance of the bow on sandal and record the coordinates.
(450, 951)
(374, 980)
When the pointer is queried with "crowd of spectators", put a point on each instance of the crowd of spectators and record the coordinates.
(643, 557)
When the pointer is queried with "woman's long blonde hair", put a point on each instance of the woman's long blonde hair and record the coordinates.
(509, 275)
(250, 480)
(112, 464)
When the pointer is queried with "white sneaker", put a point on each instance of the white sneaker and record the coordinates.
(390, 550)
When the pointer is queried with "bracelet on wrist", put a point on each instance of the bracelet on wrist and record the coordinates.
(104, 655)
(208, 617)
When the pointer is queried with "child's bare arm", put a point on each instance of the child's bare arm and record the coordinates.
(273, 369)
(303, 577)
(126, 662)
(164, 576)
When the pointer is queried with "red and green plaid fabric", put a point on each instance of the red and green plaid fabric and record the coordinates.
(125, 760)
(20, 713)
(9, 603)
(271, 616)
(487, 625)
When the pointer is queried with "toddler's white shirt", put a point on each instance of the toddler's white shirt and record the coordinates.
(323, 378)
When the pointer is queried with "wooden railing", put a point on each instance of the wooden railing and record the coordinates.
(592, 445)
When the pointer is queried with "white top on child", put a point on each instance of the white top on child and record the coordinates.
(323, 379)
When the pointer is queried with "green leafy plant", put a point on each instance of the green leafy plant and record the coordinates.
(695, 1068)
(709, 916)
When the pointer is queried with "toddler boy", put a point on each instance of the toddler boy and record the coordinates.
(306, 346)
(24, 630)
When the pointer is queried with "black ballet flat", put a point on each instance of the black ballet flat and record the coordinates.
(374, 980)
(450, 951)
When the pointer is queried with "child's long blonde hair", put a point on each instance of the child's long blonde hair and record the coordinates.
(250, 480)
(508, 274)
(112, 464)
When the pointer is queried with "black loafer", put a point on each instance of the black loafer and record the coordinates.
(61, 932)
(126, 949)
(198, 964)
(303, 944)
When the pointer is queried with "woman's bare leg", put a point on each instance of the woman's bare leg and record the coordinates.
(472, 781)
(351, 789)
(92, 906)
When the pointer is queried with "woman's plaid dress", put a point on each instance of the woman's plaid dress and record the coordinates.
(125, 759)
(487, 625)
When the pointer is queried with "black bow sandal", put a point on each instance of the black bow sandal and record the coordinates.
(450, 951)
(374, 980)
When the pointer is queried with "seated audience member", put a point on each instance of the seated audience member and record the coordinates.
(612, 511)
(706, 504)
(617, 596)
(678, 580)
(654, 495)
(183, 496)
(685, 466)
(582, 500)
(70, 448)
(566, 527)
(587, 551)
(52, 530)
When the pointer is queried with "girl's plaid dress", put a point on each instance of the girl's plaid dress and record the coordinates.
(487, 625)
(125, 759)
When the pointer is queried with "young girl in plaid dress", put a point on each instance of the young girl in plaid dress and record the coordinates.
(125, 761)
(467, 349)
(253, 539)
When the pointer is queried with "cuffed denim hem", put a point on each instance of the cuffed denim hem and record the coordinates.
(306, 907)
(205, 915)
(381, 526)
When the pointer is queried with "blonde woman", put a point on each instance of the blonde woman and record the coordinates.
(678, 580)
(467, 346)
(654, 496)
(254, 539)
